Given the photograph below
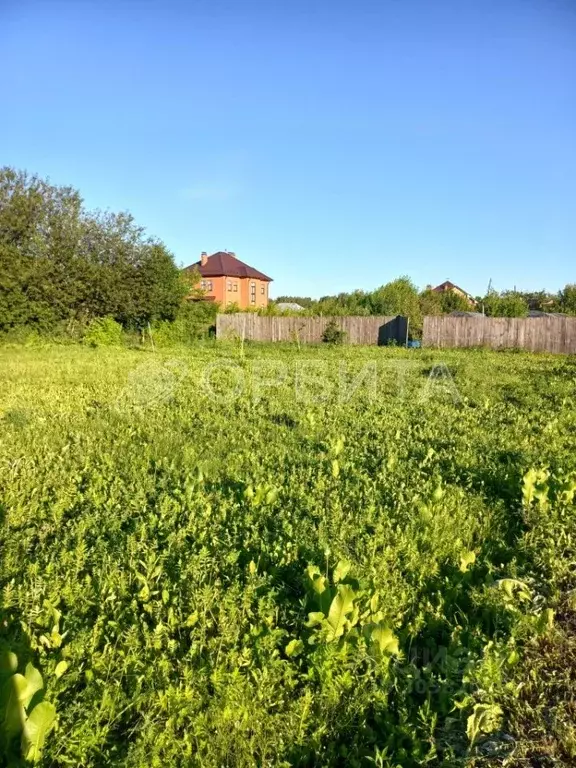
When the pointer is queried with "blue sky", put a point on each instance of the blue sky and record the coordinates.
(332, 145)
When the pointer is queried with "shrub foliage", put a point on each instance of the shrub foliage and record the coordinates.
(61, 262)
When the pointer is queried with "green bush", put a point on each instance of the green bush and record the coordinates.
(103, 332)
(333, 334)
(62, 262)
(195, 320)
(22, 335)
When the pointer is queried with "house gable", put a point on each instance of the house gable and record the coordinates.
(229, 281)
(225, 264)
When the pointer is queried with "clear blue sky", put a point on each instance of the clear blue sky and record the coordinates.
(333, 145)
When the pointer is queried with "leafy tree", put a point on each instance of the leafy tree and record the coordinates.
(430, 302)
(540, 300)
(450, 301)
(38, 233)
(399, 297)
(505, 304)
(159, 287)
(567, 299)
(59, 261)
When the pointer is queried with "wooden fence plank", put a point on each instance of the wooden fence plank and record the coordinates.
(359, 330)
(538, 334)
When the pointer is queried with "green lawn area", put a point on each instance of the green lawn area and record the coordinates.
(272, 556)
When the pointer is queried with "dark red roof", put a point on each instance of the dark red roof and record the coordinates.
(224, 264)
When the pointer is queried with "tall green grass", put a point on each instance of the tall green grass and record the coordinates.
(273, 556)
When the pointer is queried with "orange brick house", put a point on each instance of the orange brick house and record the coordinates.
(228, 280)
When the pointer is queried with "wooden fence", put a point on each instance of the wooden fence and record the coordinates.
(538, 334)
(358, 330)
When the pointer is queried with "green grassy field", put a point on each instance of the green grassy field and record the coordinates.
(266, 556)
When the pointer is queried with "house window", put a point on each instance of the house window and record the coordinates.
(252, 293)
(262, 289)
(229, 285)
(235, 286)
(203, 285)
(209, 285)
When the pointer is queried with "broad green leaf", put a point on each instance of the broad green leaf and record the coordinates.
(513, 588)
(34, 680)
(313, 572)
(36, 729)
(271, 496)
(567, 490)
(463, 703)
(294, 648)
(315, 618)
(335, 468)
(535, 486)
(545, 621)
(438, 492)
(385, 640)
(341, 570)
(61, 668)
(8, 663)
(484, 719)
(56, 616)
(341, 606)
(12, 698)
(16, 687)
(13, 721)
(354, 616)
(466, 560)
(319, 585)
(144, 593)
(513, 657)
(338, 446)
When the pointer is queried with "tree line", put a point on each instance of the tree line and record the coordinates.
(402, 297)
(61, 263)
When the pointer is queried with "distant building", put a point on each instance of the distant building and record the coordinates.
(536, 302)
(539, 313)
(227, 280)
(289, 306)
(460, 313)
(448, 287)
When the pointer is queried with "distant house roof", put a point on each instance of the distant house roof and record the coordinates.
(449, 286)
(289, 305)
(225, 264)
(536, 301)
(538, 313)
